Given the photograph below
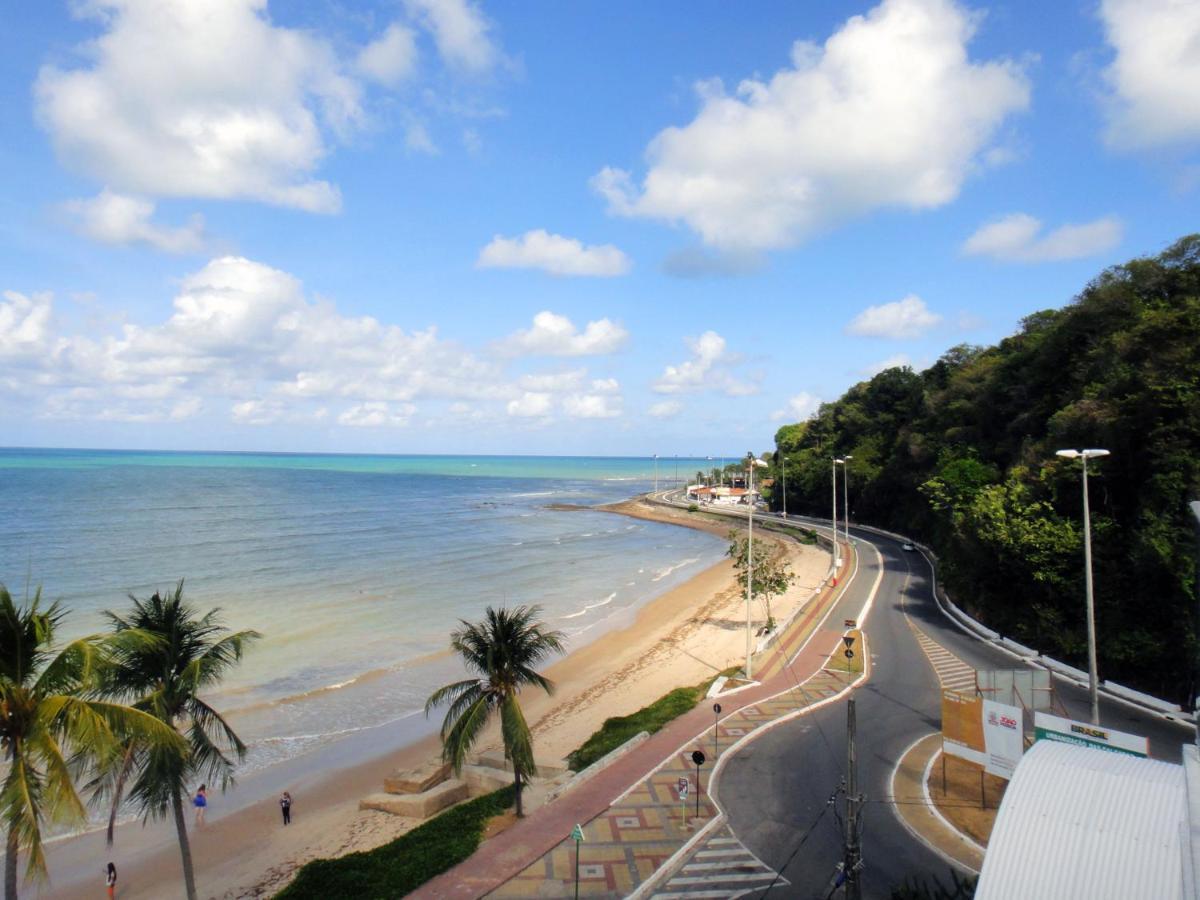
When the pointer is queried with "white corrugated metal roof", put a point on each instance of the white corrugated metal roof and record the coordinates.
(1082, 823)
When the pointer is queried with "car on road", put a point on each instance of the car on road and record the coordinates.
(909, 548)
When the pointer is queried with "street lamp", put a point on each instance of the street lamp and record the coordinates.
(1085, 455)
(785, 461)
(846, 495)
(749, 555)
(833, 520)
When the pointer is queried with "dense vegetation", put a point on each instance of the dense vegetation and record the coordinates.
(962, 456)
(403, 865)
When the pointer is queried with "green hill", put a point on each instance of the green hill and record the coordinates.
(961, 456)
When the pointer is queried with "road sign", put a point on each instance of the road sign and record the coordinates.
(682, 786)
(698, 757)
(577, 833)
(848, 640)
(717, 708)
(849, 654)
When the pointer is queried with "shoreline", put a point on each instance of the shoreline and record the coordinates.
(679, 637)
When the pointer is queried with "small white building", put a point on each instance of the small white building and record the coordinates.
(722, 494)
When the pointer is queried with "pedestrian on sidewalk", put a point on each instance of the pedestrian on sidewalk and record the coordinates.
(285, 805)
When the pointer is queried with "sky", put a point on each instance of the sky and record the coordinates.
(618, 228)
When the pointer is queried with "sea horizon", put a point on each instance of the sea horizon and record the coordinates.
(354, 566)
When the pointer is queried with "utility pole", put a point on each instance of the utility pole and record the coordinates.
(852, 858)
(749, 555)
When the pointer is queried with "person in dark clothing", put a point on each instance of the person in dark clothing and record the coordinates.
(285, 804)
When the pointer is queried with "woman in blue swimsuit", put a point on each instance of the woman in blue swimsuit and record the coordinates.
(200, 801)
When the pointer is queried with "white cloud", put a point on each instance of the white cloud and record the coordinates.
(375, 413)
(244, 334)
(605, 386)
(113, 218)
(1155, 76)
(460, 31)
(392, 57)
(531, 404)
(889, 112)
(25, 325)
(1015, 238)
(417, 138)
(553, 382)
(592, 406)
(552, 253)
(666, 409)
(895, 361)
(555, 335)
(906, 318)
(708, 369)
(199, 99)
(800, 407)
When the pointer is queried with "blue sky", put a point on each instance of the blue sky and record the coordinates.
(618, 228)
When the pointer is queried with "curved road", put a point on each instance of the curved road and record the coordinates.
(776, 789)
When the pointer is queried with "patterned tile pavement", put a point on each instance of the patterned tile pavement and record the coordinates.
(630, 840)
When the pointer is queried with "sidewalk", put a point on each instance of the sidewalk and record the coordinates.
(632, 819)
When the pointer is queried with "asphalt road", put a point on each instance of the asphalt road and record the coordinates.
(776, 789)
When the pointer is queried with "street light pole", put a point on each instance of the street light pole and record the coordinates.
(749, 556)
(785, 487)
(834, 519)
(1093, 676)
(846, 495)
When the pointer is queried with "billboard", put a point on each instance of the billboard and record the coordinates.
(984, 732)
(1053, 728)
(1003, 738)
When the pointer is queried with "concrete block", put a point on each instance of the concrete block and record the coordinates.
(419, 806)
(416, 781)
(484, 779)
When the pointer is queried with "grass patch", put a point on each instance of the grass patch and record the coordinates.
(618, 729)
(403, 865)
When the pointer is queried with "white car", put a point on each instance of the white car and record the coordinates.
(908, 548)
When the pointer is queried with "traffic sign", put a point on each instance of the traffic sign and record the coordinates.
(849, 653)
(698, 757)
(717, 708)
(577, 833)
(849, 640)
(682, 786)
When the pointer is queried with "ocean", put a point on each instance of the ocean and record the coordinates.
(354, 568)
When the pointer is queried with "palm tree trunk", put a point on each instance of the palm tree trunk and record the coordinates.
(185, 850)
(10, 866)
(517, 784)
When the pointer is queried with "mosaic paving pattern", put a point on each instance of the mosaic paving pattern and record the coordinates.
(628, 842)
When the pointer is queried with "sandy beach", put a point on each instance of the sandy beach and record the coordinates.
(680, 638)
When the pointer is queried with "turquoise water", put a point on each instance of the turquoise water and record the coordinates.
(355, 568)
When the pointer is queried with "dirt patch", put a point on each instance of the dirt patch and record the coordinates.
(497, 824)
(968, 797)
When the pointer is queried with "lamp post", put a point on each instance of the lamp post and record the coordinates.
(656, 473)
(785, 461)
(833, 520)
(749, 554)
(1093, 678)
(846, 495)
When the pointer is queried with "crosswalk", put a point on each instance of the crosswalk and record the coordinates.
(721, 867)
(952, 672)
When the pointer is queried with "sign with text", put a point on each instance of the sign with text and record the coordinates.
(1003, 738)
(1067, 731)
(962, 727)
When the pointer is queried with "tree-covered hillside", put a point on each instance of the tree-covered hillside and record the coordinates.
(962, 456)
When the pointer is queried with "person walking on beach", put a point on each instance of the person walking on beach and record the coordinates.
(285, 804)
(110, 881)
(200, 801)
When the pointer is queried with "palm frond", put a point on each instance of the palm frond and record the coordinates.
(460, 736)
(518, 741)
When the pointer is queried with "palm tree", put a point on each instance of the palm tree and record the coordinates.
(50, 725)
(193, 653)
(501, 651)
